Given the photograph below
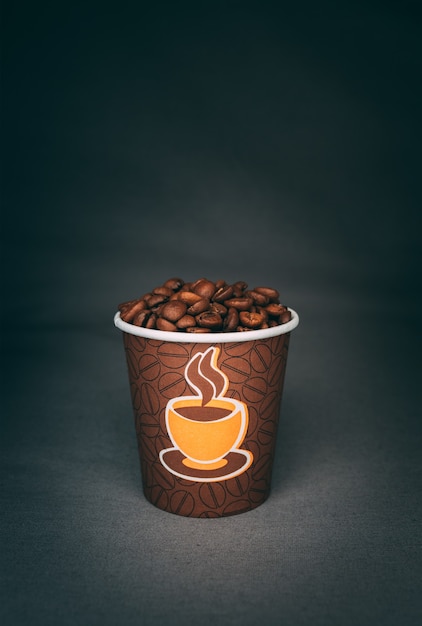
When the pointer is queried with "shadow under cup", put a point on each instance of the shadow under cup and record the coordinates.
(206, 413)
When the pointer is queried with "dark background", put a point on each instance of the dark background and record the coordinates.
(274, 144)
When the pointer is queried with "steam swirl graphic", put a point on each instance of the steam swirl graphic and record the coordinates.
(205, 377)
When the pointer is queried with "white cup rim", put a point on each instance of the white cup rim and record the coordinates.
(184, 337)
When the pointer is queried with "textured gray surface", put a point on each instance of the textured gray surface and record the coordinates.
(243, 144)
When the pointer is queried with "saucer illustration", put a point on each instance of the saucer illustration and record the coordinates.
(207, 429)
(237, 462)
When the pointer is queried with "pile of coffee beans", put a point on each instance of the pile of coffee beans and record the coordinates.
(205, 306)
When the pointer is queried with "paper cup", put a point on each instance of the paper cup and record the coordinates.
(206, 410)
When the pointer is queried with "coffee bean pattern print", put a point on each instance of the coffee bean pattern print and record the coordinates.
(255, 370)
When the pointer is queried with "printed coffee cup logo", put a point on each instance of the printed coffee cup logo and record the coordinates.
(207, 429)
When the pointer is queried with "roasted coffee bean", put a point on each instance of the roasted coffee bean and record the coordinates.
(204, 288)
(185, 322)
(241, 304)
(262, 311)
(193, 285)
(250, 319)
(197, 329)
(208, 319)
(219, 284)
(155, 299)
(174, 283)
(186, 287)
(275, 310)
(285, 317)
(239, 288)
(163, 324)
(189, 297)
(224, 293)
(259, 299)
(173, 310)
(128, 313)
(126, 305)
(218, 308)
(141, 318)
(231, 321)
(163, 291)
(272, 294)
(199, 307)
(151, 321)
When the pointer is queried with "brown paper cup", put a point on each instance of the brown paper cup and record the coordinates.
(206, 413)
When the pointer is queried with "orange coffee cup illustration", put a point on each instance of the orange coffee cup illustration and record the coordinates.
(208, 429)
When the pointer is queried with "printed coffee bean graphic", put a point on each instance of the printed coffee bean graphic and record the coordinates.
(182, 503)
(270, 405)
(154, 343)
(149, 398)
(232, 393)
(274, 371)
(132, 363)
(162, 477)
(237, 507)
(162, 422)
(184, 482)
(237, 369)
(173, 355)
(136, 396)
(260, 357)
(137, 344)
(260, 469)
(237, 349)
(277, 344)
(162, 442)
(158, 496)
(259, 491)
(149, 367)
(209, 515)
(254, 447)
(267, 432)
(148, 449)
(237, 486)
(254, 389)
(212, 495)
(253, 420)
(172, 384)
(147, 429)
(146, 469)
(148, 418)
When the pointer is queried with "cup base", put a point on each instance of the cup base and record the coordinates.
(204, 466)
